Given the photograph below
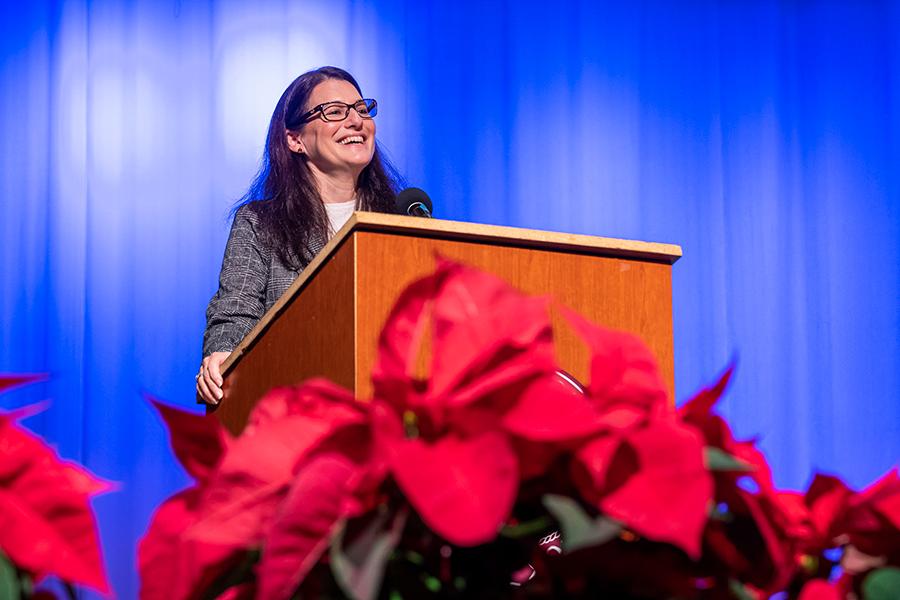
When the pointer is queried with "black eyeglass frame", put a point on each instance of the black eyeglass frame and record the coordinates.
(370, 103)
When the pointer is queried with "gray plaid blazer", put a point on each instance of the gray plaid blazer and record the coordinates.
(251, 280)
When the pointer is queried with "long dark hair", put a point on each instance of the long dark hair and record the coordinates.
(284, 194)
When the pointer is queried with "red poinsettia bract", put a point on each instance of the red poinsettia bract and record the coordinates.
(871, 519)
(453, 441)
(47, 526)
(765, 552)
(646, 467)
(865, 523)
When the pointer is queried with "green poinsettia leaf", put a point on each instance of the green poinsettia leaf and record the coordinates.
(719, 460)
(580, 530)
(882, 584)
(359, 566)
(10, 586)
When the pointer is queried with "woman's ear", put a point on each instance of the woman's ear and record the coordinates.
(294, 142)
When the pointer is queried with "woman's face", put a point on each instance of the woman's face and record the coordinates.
(335, 147)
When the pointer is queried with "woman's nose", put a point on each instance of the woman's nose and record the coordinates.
(353, 119)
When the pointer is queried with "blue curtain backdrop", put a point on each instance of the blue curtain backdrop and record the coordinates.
(762, 136)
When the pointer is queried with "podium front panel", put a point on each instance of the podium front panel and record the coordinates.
(623, 293)
(312, 336)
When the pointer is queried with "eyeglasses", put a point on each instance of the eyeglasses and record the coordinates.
(338, 111)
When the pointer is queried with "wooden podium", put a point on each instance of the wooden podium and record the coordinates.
(328, 322)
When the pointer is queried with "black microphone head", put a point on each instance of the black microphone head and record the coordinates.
(413, 201)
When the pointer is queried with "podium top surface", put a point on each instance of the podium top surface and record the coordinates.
(510, 236)
(460, 231)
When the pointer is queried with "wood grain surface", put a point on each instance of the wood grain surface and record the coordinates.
(627, 294)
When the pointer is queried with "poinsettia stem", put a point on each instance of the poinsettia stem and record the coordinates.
(26, 584)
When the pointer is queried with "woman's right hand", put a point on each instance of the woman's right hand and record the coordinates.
(209, 379)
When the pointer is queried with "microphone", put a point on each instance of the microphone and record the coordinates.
(414, 202)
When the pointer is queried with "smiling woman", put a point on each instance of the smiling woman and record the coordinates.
(321, 163)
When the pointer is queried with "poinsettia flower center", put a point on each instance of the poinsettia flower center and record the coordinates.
(410, 424)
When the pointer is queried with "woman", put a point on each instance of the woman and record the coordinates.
(321, 163)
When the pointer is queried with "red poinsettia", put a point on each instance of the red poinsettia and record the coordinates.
(453, 441)
(825, 502)
(866, 523)
(170, 565)
(241, 486)
(819, 589)
(646, 467)
(871, 519)
(771, 523)
(47, 526)
(281, 487)
(450, 442)
(772, 537)
(783, 534)
(313, 456)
